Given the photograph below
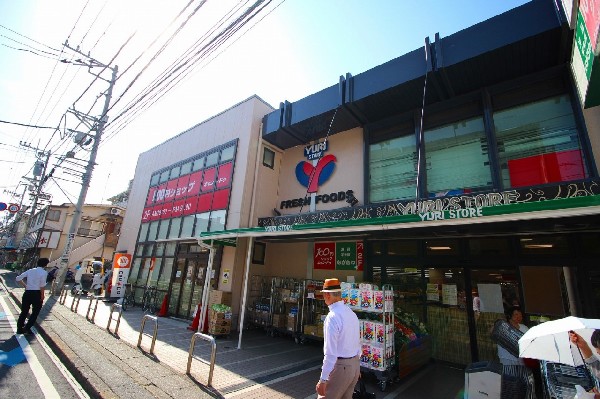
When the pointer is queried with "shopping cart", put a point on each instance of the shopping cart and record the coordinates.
(560, 380)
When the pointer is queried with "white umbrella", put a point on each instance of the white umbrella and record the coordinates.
(550, 340)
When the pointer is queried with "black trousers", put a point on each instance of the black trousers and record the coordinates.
(31, 299)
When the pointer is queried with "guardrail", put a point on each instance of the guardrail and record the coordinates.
(63, 294)
(110, 317)
(76, 299)
(155, 320)
(213, 354)
(87, 315)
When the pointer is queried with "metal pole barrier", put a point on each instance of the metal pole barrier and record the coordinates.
(155, 319)
(213, 354)
(87, 315)
(63, 294)
(110, 318)
(75, 302)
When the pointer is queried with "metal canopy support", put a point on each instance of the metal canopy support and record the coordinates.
(245, 293)
(206, 289)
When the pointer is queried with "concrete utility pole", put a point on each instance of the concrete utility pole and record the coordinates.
(87, 176)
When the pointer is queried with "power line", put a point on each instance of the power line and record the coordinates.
(27, 125)
(28, 38)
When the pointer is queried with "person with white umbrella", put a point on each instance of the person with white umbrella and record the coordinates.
(592, 362)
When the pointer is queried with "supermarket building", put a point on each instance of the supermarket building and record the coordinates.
(489, 191)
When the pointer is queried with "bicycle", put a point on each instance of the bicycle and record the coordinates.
(129, 298)
(149, 301)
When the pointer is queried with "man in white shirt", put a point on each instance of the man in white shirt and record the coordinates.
(33, 297)
(341, 364)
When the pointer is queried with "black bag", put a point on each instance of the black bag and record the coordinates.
(362, 393)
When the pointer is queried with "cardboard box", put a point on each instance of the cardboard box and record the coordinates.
(218, 330)
(310, 329)
(291, 322)
(213, 315)
(220, 323)
(217, 296)
(279, 320)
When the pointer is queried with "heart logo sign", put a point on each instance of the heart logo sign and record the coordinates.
(311, 176)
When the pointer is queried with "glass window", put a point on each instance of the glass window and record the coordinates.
(457, 158)
(152, 230)
(175, 225)
(143, 232)
(198, 164)
(186, 168)
(170, 249)
(164, 176)
(393, 169)
(139, 250)
(160, 249)
(403, 247)
(212, 159)
(154, 180)
(135, 271)
(188, 226)
(142, 279)
(227, 154)
(489, 246)
(53, 215)
(162, 231)
(202, 223)
(217, 220)
(258, 253)
(165, 274)
(148, 249)
(155, 264)
(268, 158)
(175, 172)
(538, 143)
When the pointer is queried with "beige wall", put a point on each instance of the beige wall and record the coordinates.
(348, 174)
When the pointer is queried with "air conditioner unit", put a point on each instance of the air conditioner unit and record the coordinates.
(115, 211)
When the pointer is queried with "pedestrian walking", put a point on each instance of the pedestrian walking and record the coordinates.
(341, 364)
(33, 297)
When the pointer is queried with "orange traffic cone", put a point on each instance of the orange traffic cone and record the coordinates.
(194, 325)
(164, 308)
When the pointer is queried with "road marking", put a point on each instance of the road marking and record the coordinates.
(38, 371)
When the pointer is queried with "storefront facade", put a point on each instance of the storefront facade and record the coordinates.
(489, 191)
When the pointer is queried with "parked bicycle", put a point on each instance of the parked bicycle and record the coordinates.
(150, 300)
(129, 298)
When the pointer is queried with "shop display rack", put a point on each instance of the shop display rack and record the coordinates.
(312, 312)
(284, 299)
(375, 310)
(259, 302)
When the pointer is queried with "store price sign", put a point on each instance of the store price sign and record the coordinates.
(339, 255)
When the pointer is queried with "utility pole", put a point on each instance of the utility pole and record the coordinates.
(87, 175)
(40, 167)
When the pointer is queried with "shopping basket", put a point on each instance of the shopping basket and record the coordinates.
(517, 383)
(507, 336)
(560, 379)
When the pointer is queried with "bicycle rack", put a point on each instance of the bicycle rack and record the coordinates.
(87, 315)
(155, 320)
(213, 354)
(63, 294)
(110, 317)
(75, 302)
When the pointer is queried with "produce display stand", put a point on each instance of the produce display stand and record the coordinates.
(284, 299)
(375, 310)
(312, 308)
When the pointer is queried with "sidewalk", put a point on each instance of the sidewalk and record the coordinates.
(266, 367)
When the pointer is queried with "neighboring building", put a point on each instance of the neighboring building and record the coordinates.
(96, 236)
(491, 190)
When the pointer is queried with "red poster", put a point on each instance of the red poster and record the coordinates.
(177, 209)
(224, 179)
(150, 198)
(208, 181)
(194, 183)
(547, 168)
(220, 199)
(146, 214)
(324, 256)
(171, 190)
(189, 207)
(160, 193)
(182, 187)
(204, 203)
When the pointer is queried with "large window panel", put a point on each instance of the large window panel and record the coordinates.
(393, 169)
(457, 159)
(187, 228)
(539, 143)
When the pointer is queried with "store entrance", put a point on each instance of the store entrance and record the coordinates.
(187, 283)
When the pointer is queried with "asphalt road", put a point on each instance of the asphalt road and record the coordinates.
(28, 368)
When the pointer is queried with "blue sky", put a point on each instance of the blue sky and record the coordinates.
(301, 47)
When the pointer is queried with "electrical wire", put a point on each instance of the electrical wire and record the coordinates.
(28, 38)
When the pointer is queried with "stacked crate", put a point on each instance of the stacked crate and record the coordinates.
(219, 323)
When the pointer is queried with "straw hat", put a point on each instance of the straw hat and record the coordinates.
(332, 285)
